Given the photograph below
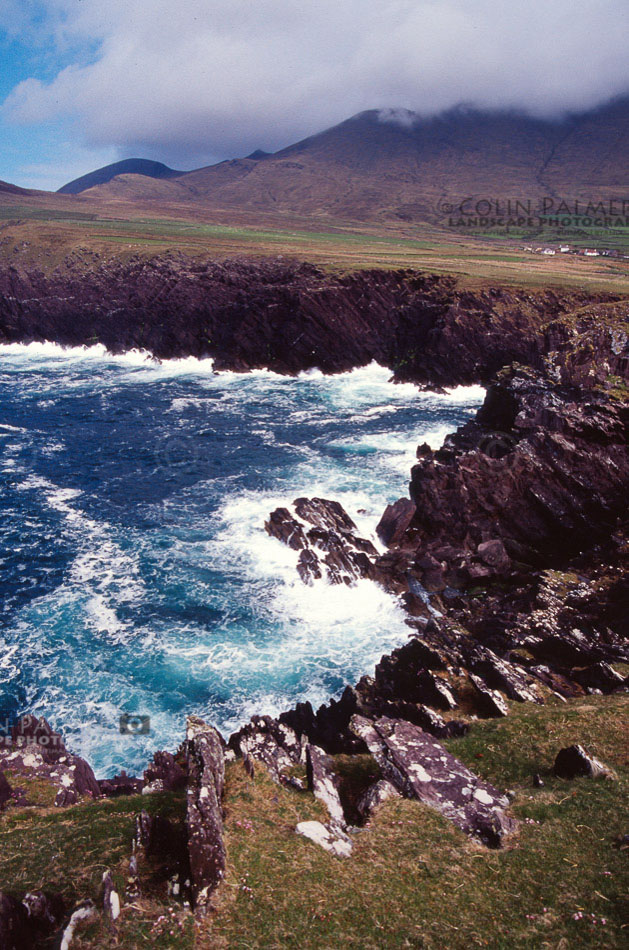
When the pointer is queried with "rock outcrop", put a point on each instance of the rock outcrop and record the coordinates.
(164, 773)
(511, 553)
(274, 744)
(34, 750)
(30, 922)
(204, 814)
(5, 790)
(327, 539)
(419, 767)
(559, 489)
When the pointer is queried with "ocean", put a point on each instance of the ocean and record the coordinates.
(136, 577)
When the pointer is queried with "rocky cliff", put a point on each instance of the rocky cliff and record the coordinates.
(511, 552)
(281, 315)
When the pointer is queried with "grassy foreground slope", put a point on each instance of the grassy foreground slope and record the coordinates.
(43, 232)
(413, 881)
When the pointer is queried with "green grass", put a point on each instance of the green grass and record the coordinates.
(46, 234)
(414, 880)
(66, 851)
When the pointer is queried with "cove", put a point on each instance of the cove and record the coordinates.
(136, 575)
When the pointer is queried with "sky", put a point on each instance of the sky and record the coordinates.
(190, 82)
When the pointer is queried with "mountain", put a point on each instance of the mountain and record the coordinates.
(395, 164)
(7, 188)
(129, 166)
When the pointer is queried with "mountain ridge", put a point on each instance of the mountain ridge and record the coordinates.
(100, 176)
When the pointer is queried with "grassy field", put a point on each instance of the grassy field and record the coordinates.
(37, 234)
(413, 880)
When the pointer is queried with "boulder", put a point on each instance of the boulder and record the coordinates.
(132, 888)
(15, 932)
(420, 768)
(431, 572)
(163, 841)
(574, 761)
(5, 790)
(434, 691)
(395, 521)
(111, 898)
(500, 674)
(325, 838)
(490, 701)
(204, 815)
(30, 922)
(325, 514)
(70, 775)
(121, 784)
(308, 567)
(82, 914)
(429, 720)
(32, 731)
(494, 554)
(164, 774)
(329, 726)
(381, 791)
(324, 783)
(330, 548)
(557, 682)
(406, 674)
(284, 527)
(601, 676)
(272, 742)
(45, 912)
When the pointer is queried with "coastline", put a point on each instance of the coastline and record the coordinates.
(517, 527)
(423, 307)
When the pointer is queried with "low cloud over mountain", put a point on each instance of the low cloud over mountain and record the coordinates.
(196, 80)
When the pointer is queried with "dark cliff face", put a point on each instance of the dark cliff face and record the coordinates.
(548, 483)
(284, 316)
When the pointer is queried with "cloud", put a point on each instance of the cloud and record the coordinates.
(182, 79)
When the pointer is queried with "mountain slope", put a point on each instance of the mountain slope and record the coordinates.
(133, 166)
(390, 164)
(7, 188)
